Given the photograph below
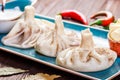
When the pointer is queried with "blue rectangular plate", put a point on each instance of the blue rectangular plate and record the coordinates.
(109, 73)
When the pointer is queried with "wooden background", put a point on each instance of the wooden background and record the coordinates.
(87, 7)
(51, 8)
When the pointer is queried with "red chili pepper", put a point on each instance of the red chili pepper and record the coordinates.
(75, 15)
(105, 21)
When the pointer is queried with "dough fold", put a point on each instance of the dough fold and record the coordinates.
(56, 40)
(86, 57)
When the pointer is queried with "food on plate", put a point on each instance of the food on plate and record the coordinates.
(102, 21)
(75, 15)
(56, 40)
(86, 57)
(114, 36)
(26, 31)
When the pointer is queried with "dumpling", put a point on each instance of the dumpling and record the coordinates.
(86, 57)
(56, 40)
(26, 31)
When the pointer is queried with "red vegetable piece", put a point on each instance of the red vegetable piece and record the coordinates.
(109, 18)
(75, 15)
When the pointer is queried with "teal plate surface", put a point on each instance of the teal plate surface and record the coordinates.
(105, 74)
(18, 3)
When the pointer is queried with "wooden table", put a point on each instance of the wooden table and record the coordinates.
(87, 7)
(51, 8)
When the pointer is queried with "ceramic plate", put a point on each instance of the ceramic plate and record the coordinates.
(100, 38)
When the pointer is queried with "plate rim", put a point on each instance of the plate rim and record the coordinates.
(56, 66)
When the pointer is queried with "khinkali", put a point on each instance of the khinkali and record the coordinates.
(56, 40)
(86, 58)
(26, 31)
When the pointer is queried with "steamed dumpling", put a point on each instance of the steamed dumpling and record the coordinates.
(26, 31)
(86, 58)
(56, 40)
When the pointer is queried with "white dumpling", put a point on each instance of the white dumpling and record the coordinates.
(86, 58)
(56, 40)
(26, 31)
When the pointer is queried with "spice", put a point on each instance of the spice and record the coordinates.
(103, 21)
(75, 15)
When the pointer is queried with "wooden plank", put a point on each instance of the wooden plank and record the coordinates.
(87, 7)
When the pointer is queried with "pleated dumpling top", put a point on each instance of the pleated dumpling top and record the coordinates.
(56, 40)
(86, 57)
(27, 30)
